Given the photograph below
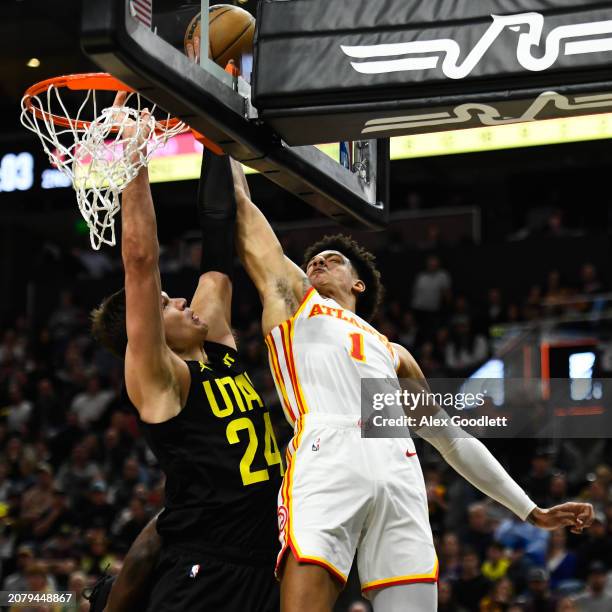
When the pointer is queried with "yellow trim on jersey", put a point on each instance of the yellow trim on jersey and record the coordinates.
(305, 301)
(297, 378)
(379, 584)
(277, 374)
(291, 540)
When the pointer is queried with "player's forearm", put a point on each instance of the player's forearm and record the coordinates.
(257, 245)
(471, 459)
(139, 242)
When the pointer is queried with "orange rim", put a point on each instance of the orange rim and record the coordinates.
(98, 81)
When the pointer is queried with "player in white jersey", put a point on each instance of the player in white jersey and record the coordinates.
(342, 493)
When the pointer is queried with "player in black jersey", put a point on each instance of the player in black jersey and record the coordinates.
(200, 413)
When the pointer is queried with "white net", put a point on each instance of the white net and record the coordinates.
(101, 155)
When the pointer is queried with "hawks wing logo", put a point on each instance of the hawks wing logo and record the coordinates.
(426, 54)
(472, 113)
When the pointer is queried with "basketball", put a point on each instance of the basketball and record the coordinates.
(230, 30)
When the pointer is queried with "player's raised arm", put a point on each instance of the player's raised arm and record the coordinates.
(149, 363)
(470, 458)
(281, 283)
(212, 301)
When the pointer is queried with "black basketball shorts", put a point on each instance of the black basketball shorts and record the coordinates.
(187, 581)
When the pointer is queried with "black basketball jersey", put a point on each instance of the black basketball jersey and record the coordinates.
(222, 464)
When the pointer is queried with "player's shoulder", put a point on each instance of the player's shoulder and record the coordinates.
(222, 356)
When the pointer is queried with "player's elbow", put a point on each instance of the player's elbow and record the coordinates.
(137, 257)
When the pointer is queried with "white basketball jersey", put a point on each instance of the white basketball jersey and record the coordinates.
(319, 356)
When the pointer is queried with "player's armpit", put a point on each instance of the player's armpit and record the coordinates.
(212, 302)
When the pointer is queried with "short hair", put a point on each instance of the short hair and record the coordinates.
(363, 263)
(108, 324)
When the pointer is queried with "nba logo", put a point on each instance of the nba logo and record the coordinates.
(316, 445)
(195, 570)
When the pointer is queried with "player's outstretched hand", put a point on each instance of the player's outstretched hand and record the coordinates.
(575, 515)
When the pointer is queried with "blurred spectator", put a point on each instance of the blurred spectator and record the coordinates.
(97, 557)
(76, 584)
(38, 499)
(56, 518)
(537, 484)
(114, 454)
(429, 364)
(446, 601)
(567, 604)
(65, 319)
(496, 563)
(494, 310)
(5, 484)
(91, 403)
(538, 597)
(76, 476)
(122, 492)
(471, 586)
(130, 523)
(18, 411)
(17, 581)
(435, 498)
(466, 350)
(95, 510)
(38, 580)
(499, 598)
(557, 492)
(431, 292)
(49, 413)
(532, 307)
(560, 562)
(589, 280)
(479, 532)
(595, 598)
(519, 567)
(95, 263)
(595, 546)
(408, 330)
(555, 295)
(12, 348)
(450, 557)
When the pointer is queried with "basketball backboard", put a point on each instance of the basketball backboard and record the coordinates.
(140, 42)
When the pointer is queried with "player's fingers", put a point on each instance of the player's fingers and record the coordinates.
(120, 98)
(577, 530)
(586, 516)
(196, 46)
(564, 518)
(145, 117)
(189, 50)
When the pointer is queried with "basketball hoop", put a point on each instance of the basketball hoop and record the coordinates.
(88, 144)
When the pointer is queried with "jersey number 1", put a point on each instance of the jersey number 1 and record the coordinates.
(357, 347)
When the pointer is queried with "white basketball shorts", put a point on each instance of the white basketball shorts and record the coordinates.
(343, 493)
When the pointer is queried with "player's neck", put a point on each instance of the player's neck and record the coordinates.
(197, 353)
(348, 302)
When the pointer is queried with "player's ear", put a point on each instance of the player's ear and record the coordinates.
(358, 286)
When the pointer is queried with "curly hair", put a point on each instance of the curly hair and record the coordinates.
(108, 323)
(363, 263)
